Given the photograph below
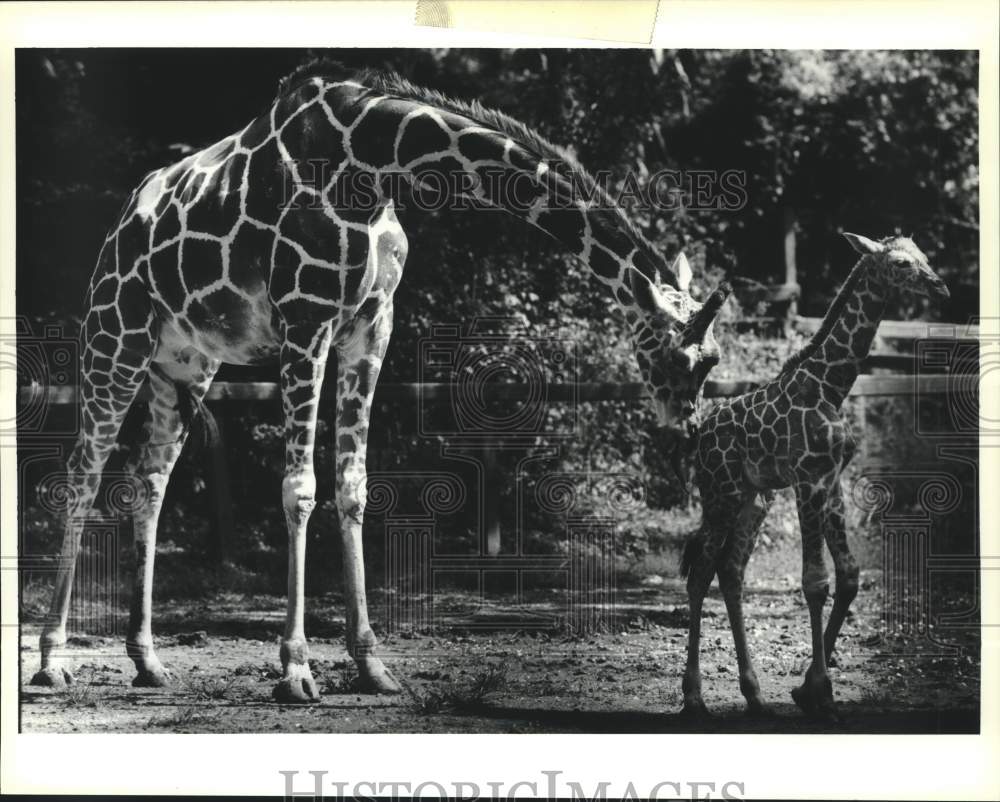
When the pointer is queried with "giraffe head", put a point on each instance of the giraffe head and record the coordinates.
(895, 262)
(674, 343)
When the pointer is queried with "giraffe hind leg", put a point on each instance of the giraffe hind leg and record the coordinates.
(109, 385)
(846, 568)
(815, 695)
(174, 385)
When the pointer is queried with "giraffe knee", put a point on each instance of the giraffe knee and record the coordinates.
(148, 492)
(815, 585)
(352, 494)
(52, 637)
(848, 576)
(731, 579)
(298, 495)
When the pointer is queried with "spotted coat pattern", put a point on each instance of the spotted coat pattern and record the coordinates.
(790, 433)
(282, 242)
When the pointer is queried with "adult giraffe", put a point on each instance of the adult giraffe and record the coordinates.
(281, 241)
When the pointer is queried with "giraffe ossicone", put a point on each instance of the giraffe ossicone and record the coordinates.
(247, 252)
(791, 433)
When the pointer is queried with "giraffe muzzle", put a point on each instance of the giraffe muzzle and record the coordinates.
(698, 325)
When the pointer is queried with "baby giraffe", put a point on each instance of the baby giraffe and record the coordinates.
(790, 433)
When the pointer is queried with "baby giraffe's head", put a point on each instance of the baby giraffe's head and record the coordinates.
(897, 263)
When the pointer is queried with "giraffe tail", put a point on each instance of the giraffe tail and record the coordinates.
(196, 418)
(199, 420)
(196, 415)
(693, 549)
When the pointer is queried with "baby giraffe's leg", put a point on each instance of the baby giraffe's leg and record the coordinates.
(815, 695)
(699, 578)
(845, 565)
(700, 559)
(737, 552)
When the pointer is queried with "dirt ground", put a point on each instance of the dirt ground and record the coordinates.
(223, 654)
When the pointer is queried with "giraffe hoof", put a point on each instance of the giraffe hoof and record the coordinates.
(374, 677)
(52, 677)
(151, 678)
(695, 711)
(802, 698)
(296, 690)
(759, 710)
(817, 708)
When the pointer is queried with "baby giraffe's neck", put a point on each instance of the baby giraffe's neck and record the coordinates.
(833, 357)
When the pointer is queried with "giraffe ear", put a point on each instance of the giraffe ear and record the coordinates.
(682, 270)
(863, 245)
(644, 292)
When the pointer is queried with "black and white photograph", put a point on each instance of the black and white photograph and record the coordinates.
(511, 390)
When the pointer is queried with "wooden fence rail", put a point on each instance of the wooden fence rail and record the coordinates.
(217, 473)
(884, 354)
(255, 392)
(904, 329)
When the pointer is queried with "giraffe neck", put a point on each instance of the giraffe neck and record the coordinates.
(845, 337)
(479, 157)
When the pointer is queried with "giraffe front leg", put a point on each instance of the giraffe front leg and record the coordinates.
(697, 586)
(815, 695)
(303, 363)
(298, 492)
(739, 546)
(374, 677)
(359, 362)
(698, 564)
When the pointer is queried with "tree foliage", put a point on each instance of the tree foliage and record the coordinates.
(871, 141)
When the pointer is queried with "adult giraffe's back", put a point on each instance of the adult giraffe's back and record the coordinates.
(281, 241)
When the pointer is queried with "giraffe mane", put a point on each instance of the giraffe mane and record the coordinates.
(829, 321)
(563, 163)
(320, 67)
